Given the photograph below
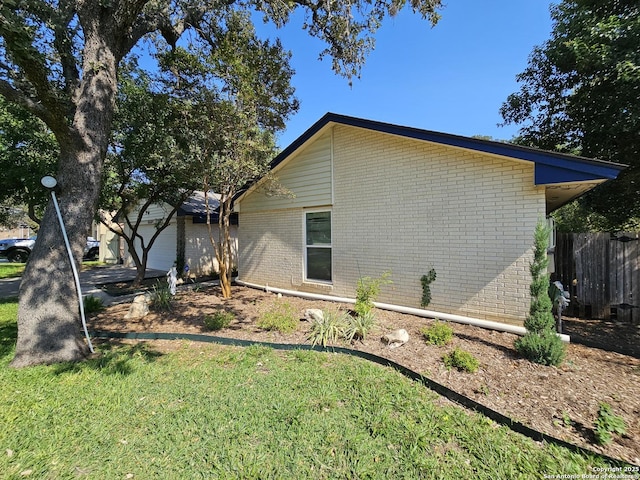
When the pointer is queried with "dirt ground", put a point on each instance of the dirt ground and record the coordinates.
(562, 402)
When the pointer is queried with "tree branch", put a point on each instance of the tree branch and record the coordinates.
(19, 98)
(63, 43)
(19, 42)
(160, 20)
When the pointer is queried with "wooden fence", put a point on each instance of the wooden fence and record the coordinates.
(602, 273)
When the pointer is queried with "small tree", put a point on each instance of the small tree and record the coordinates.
(237, 93)
(540, 344)
(367, 291)
(146, 164)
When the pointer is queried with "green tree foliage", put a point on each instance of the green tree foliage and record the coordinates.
(540, 317)
(579, 94)
(367, 290)
(28, 151)
(60, 60)
(147, 163)
(577, 217)
(235, 92)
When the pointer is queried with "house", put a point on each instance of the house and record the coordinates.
(371, 197)
(187, 234)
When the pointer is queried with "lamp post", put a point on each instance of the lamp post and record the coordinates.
(50, 183)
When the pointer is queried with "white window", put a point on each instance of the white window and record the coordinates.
(318, 246)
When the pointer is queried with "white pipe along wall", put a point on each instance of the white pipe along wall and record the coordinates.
(476, 322)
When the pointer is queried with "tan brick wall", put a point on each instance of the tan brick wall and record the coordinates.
(407, 206)
(270, 248)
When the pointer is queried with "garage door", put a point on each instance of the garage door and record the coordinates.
(163, 253)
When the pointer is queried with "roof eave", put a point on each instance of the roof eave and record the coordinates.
(551, 167)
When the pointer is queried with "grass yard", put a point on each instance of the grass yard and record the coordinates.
(207, 411)
(11, 270)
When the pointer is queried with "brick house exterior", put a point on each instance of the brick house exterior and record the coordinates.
(371, 197)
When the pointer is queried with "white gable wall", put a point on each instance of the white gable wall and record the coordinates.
(405, 206)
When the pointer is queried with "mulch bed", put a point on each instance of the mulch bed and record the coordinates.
(562, 402)
(607, 335)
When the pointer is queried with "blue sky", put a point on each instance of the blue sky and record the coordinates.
(451, 78)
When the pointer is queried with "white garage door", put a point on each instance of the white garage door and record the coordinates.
(163, 253)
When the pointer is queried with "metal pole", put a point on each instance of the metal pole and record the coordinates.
(73, 267)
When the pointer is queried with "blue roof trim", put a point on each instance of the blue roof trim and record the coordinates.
(550, 174)
(551, 167)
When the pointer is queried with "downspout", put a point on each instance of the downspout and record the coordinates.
(476, 322)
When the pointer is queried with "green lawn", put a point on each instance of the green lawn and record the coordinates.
(10, 270)
(208, 411)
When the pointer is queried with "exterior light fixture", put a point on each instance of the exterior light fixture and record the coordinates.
(48, 182)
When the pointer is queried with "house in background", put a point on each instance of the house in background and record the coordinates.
(372, 197)
(187, 235)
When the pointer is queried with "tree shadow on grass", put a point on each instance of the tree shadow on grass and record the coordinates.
(8, 337)
(113, 358)
(8, 331)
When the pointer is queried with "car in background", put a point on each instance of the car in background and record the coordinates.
(17, 250)
(91, 249)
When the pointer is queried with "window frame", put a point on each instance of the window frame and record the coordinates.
(307, 247)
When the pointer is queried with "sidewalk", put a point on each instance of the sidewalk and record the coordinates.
(89, 280)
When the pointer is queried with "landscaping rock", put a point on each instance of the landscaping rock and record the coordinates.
(313, 315)
(139, 308)
(397, 338)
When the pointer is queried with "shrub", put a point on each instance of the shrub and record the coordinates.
(366, 292)
(606, 424)
(328, 330)
(461, 360)
(161, 298)
(358, 327)
(437, 334)
(540, 317)
(218, 320)
(540, 344)
(93, 304)
(544, 348)
(426, 281)
(280, 317)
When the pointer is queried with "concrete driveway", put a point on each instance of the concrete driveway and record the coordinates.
(88, 281)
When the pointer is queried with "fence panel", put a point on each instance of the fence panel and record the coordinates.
(602, 273)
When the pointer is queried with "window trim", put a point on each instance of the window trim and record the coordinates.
(306, 247)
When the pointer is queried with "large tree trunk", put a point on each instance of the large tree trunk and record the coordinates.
(49, 325)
